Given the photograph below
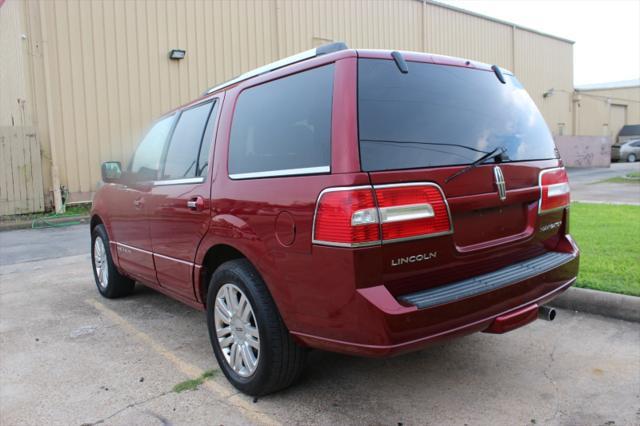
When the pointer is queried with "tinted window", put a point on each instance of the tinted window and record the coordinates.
(146, 160)
(207, 142)
(283, 124)
(635, 144)
(439, 115)
(181, 160)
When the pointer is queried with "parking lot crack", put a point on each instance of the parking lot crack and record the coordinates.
(556, 389)
(127, 407)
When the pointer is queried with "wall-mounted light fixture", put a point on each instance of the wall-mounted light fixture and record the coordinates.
(177, 54)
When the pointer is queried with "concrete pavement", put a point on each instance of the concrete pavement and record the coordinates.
(68, 356)
(587, 185)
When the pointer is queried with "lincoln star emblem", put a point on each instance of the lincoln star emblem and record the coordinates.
(502, 190)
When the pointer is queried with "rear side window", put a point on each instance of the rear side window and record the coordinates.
(182, 157)
(437, 115)
(146, 160)
(283, 127)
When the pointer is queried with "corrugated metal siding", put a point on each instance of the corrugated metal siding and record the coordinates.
(542, 64)
(448, 32)
(594, 110)
(101, 72)
(14, 72)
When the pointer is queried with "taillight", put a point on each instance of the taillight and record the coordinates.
(351, 217)
(411, 211)
(554, 190)
(346, 217)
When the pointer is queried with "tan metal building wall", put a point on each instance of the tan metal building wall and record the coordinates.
(100, 73)
(604, 111)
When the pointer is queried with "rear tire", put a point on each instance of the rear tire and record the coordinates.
(239, 309)
(111, 283)
(631, 158)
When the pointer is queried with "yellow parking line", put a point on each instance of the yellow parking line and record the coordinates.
(186, 368)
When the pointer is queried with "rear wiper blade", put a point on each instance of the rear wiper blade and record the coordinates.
(495, 153)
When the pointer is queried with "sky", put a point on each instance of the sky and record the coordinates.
(606, 32)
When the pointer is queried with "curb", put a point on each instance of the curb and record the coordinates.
(28, 224)
(610, 305)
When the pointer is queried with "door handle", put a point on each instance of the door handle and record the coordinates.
(196, 203)
(138, 203)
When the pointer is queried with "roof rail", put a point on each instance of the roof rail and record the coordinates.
(298, 57)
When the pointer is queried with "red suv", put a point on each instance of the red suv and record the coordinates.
(358, 201)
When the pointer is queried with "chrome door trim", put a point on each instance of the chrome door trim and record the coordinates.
(154, 254)
(282, 172)
(174, 259)
(183, 181)
(132, 248)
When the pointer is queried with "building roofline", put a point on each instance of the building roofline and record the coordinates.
(491, 18)
(624, 84)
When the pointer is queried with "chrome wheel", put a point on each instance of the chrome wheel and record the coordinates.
(100, 262)
(237, 330)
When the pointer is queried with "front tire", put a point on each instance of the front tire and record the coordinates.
(632, 158)
(253, 347)
(111, 284)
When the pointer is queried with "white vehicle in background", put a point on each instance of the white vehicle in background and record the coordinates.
(627, 151)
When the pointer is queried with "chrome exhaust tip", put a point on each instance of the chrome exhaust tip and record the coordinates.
(546, 313)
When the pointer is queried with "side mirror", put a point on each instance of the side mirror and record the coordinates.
(111, 171)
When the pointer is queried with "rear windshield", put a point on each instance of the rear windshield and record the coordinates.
(437, 115)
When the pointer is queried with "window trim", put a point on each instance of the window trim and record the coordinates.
(165, 151)
(303, 171)
(180, 181)
(282, 172)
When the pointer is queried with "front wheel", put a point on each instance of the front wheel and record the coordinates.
(632, 158)
(253, 347)
(110, 282)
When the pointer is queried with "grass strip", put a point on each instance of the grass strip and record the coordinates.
(609, 239)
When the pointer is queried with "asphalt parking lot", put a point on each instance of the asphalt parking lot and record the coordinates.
(70, 357)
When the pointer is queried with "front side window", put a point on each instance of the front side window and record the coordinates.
(283, 127)
(146, 160)
(181, 160)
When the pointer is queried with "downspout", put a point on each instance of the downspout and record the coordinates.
(55, 177)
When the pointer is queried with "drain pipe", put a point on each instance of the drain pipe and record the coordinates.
(546, 313)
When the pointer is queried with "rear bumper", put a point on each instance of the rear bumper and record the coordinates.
(381, 325)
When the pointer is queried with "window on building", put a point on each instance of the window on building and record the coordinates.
(283, 127)
(181, 160)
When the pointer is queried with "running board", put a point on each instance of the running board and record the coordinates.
(487, 282)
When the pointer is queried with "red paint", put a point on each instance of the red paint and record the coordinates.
(337, 298)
